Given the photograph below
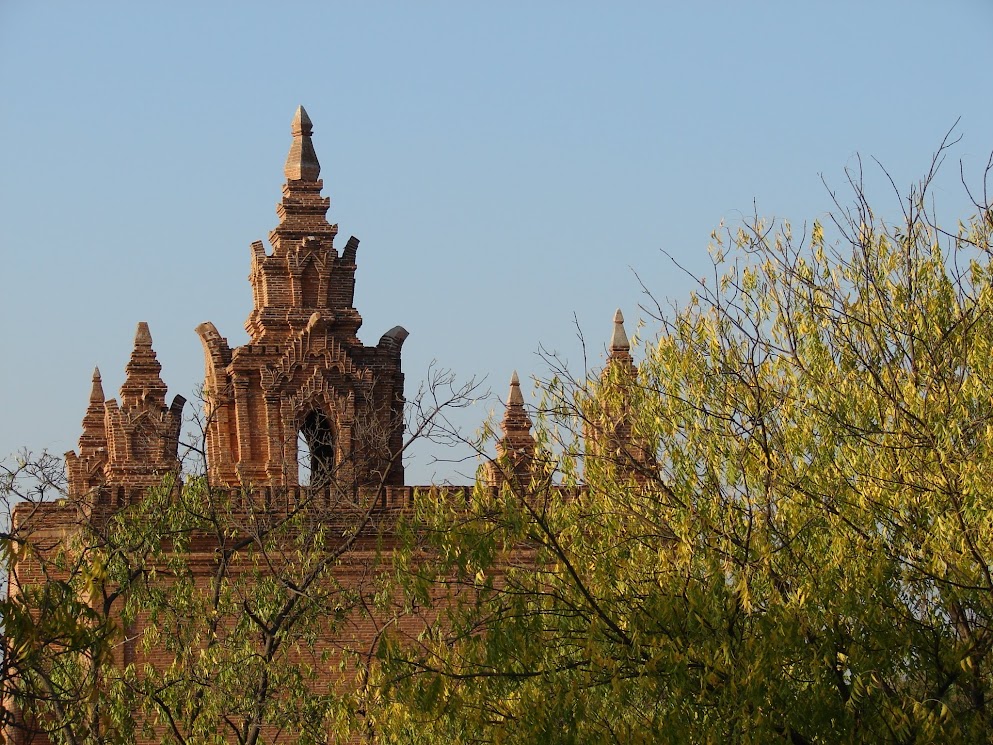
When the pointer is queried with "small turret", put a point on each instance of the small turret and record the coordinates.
(515, 450)
(94, 435)
(611, 442)
(86, 469)
(142, 433)
(515, 419)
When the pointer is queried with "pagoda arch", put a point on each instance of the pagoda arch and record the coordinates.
(317, 448)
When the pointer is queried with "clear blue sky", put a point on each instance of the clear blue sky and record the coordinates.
(505, 166)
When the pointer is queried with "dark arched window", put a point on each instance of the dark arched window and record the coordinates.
(315, 450)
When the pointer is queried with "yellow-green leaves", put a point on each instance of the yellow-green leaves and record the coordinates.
(809, 555)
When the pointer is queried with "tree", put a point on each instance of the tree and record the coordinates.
(790, 537)
(47, 620)
(199, 614)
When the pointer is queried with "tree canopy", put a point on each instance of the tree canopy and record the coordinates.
(804, 556)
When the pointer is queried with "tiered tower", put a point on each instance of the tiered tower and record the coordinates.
(304, 402)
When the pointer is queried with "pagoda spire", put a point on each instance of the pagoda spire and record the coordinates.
(85, 470)
(516, 421)
(302, 211)
(302, 163)
(143, 388)
(304, 273)
(609, 429)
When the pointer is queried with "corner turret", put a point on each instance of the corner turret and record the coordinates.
(515, 449)
(128, 447)
(85, 470)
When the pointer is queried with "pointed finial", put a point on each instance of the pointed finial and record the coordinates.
(96, 392)
(515, 398)
(619, 341)
(142, 336)
(301, 123)
(302, 163)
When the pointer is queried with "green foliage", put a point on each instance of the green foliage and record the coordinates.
(806, 553)
(190, 616)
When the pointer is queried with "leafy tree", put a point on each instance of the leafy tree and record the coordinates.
(194, 615)
(198, 614)
(48, 624)
(788, 536)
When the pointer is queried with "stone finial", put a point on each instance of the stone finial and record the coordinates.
(515, 398)
(619, 356)
(302, 163)
(301, 123)
(142, 336)
(619, 341)
(96, 391)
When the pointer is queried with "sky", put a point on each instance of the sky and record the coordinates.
(511, 169)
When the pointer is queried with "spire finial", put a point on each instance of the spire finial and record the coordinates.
(619, 341)
(142, 336)
(301, 123)
(302, 163)
(515, 397)
(96, 392)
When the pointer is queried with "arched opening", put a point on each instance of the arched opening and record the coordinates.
(315, 450)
